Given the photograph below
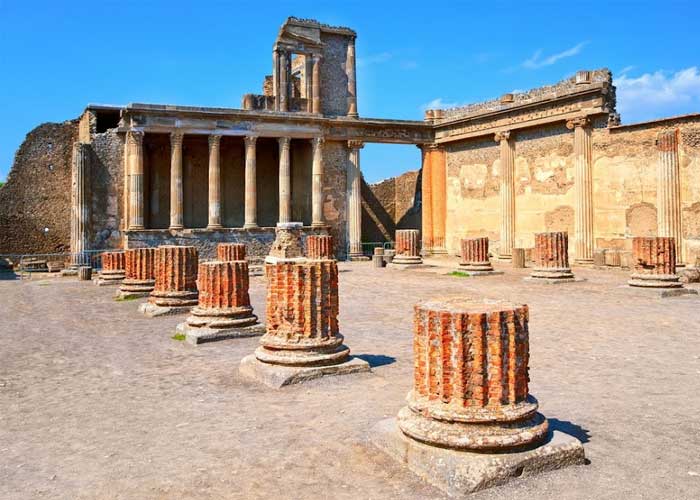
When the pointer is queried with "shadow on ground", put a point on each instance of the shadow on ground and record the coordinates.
(376, 360)
(570, 428)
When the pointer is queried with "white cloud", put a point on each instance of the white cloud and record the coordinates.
(538, 61)
(658, 94)
(382, 57)
(439, 103)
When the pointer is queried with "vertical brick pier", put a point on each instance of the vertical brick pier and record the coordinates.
(224, 310)
(470, 421)
(175, 288)
(113, 269)
(319, 247)
(654, 261)
(407, 248)
(551, 260)
(227, 252)
(140, 274)
(474, 256)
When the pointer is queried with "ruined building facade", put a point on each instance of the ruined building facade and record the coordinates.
(552, 159)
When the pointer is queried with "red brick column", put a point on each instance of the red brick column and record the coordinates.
(223, 296)
(302, 315)
(230, 251)
(113, 268)
(470, 388)
(319, 247)
(407, 247)
(176, 277)
(140, 271)
(552, 256)
(654, 263)
(474, 254)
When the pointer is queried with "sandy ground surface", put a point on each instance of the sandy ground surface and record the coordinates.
(97, 401)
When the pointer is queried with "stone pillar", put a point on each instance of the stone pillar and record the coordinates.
(407, 248)
(474, 255)
(352, 86)
(285, 181)
(175, 288)
(552, 257)
(251, 186)
(317, 183)
(354, 201)
(140, 273)
(276, 78)
(668, 190)
(518, 258)
(439, 199)
(226, 252)
(224, 309)
(507, 194)
(176, 191)
(427, 199)
(126, 199)
(470, 385)
(316, 85)
(80, 203)
(284, 81)
(214, 183)
(136, 194)
(319, 247)
(583, 184)
(654, 263)
(113, 269)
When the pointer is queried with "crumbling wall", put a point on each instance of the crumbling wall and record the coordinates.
(389, 205)
(107, 182)
(336, 158)
(334, 80)
(35, 201)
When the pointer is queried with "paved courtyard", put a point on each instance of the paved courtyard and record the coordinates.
(96, 401)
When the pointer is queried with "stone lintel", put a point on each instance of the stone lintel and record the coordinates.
(458, 473)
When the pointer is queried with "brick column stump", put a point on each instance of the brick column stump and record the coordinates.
(302, 339)
(474, 257)
(175, 290)
(227, 252)
(470, 421)
(407, 249)
(518, 258)
(552, 258)
(113, 269)
(319, 247)
(654, 266)
(140, 275)
(224, 309)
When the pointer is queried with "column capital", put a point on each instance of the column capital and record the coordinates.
(250, 140)
(580, 121)
(176, 138)
(356, 144)
(317, 142)
(284, 142)
(502, 135)
(214, 140)
(135, 136)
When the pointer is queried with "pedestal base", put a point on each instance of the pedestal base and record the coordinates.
(477, 270)
(655, 281)
(109, 279)
(358, 258)
(153, 311)
(663, 293)
(461, 472)
(553, 281)
(196, 336)
(277, 376)
(128, 294)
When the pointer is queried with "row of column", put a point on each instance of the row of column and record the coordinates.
(282, 80)
(135, 170)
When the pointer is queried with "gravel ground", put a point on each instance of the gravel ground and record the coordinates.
(96, 401)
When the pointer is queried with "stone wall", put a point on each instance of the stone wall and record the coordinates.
(334, 81)
(107, 181)
(37, 194)
(389, 205)
(335, 165)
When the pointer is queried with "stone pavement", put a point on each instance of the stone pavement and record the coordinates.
(97, 401)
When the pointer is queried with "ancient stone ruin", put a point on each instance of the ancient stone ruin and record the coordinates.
(655, 266)
(175, 289)
(140, 276)
(113, 269)
(474, 257)
(407, 249)
(552, 258)
(470, 393)
(226, 252)
(319, 247)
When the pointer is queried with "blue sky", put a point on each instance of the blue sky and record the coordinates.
(55, 57)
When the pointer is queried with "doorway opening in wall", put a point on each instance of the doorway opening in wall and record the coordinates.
(391, 194)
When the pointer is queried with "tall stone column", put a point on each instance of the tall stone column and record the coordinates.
(80, 203)
(275, 78)
(126, 200)
(427, 199)
(507, 194)
(284, 81)
(308, 83)
(316, 85)
(136, 195)
(285, 182)
(354, 201)
(438, 198)
(317, 182)
(668, 190)
(176, 193)
(251, 186)
(214, 183)
(583, 187)
(352, 85)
